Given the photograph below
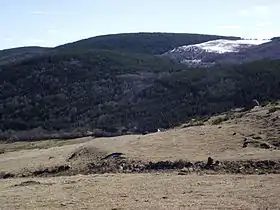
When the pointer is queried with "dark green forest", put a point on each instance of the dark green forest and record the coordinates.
(111, 91)
(143, 43)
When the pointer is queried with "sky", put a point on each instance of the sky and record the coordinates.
(54, 22)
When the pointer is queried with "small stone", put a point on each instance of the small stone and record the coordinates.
(182, 173)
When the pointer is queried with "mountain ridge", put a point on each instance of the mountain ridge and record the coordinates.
(139, 43)
(150, 43)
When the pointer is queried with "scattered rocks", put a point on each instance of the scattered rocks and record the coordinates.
(165, 165)
(186, 167)
(51, 171)
(183, 167)
(250, 167)
(257, 142)
(264, 146)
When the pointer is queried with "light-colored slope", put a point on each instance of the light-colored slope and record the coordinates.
(193, 143)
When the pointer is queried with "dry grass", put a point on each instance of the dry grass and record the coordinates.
(143, 191)
(11, 147)
(192, 143)
(149, 191)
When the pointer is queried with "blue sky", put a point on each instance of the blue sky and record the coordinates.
(55, 22)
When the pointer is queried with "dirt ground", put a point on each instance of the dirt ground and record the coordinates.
(168, 190)
(143, 191)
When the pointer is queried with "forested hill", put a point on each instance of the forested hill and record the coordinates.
(144, 43)
(118, 91)
(141, 43)
(66, 91)
(17, 54)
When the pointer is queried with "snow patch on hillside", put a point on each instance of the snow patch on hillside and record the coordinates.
(222, 46)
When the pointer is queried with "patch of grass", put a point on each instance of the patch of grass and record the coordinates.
(219, 120)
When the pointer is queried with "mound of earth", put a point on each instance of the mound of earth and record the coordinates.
(85, 153)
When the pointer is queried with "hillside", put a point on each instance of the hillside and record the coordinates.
(68, 91)
(144, 43)
(266, 51)
(119, 93)
(225, 52)
(18, 54)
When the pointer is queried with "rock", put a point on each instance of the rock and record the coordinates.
(4, 175)
(264, 146)
(113, 155)
(183, 172)
(245, 144)
(27, 183)
(210, 161)
(217, 163)
(145, 133)
(54, 170)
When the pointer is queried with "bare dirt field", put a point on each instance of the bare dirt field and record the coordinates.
(143, 191)
(223, 141)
